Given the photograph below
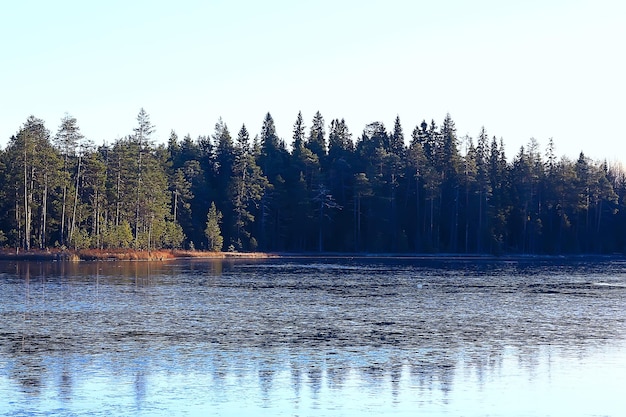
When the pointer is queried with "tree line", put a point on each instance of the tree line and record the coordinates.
(431, 192)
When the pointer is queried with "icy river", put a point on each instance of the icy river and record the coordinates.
(314, 337)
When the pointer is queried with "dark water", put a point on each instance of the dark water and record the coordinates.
(313, 337)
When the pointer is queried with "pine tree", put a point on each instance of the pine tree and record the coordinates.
(31, 165)
(94, 187)
(141, 141)
(78, 178)
(67, 141)
(122, 184)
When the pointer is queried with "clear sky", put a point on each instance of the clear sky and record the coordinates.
(535, 68)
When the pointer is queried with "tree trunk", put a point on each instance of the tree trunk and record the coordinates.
(138, 195)
(175, 203)
(26, 205)
(63, 214)
(320, 237)
(432, 226)
(417, 214)
(479, 234)
(73, 224)
(467, 220)
(356, 246)
(44, 213)
(117, 191)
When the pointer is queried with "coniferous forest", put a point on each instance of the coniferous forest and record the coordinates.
(325, 189)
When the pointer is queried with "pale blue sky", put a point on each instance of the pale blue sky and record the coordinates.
(522, 69)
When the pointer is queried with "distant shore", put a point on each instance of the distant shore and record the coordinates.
(121, 255)
(164, 255)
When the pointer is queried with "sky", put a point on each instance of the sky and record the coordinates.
(533, 69)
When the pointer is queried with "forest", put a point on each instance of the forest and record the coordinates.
(323, 191)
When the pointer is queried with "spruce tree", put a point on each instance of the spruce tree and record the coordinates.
(396, 140)
(339, 174)
(298, 135)
(339, 141)
(213, 231)
(317, 137)
(246, 190)
(223, 174)
(484, 189)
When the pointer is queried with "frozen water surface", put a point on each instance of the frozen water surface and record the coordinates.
(321, 337)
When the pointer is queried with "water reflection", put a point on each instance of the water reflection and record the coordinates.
(122, 272)
(291, 338)
(306, 382)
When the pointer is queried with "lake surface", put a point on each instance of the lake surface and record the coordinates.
(313, 337)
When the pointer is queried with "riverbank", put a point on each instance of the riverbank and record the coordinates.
(122, 255)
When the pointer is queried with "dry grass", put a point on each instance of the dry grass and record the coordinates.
(124, 255)
(161, 255)
(220, 255)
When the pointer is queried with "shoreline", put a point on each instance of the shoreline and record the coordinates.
(122, 255)
(57, 255)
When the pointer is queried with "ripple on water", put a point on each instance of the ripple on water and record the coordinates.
(324, 338)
